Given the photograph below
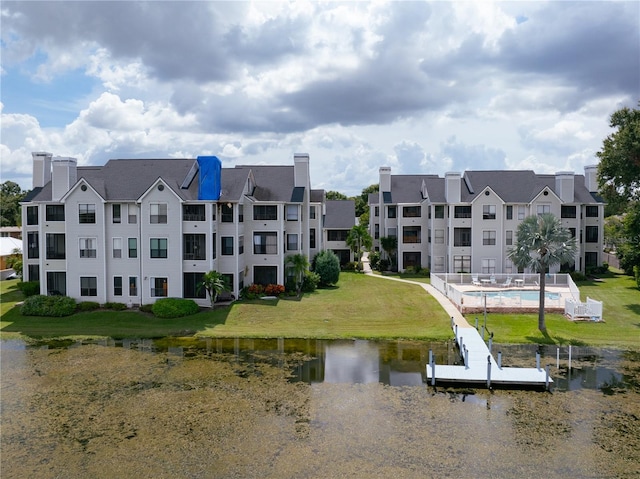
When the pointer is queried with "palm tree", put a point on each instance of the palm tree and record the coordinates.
(300, 264)
(359, 239)
(214, 283)
(389, 245)
(542, 242)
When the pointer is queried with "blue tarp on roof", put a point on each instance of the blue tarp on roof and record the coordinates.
(210, 172)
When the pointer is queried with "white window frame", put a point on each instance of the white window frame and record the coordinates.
(88, 247)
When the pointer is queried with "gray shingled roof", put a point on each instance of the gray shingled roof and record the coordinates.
(340, 214)
(273, 183)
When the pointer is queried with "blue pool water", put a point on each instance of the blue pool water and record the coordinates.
(525, 295)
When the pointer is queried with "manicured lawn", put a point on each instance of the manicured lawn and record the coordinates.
(359, 307)
(621, 326)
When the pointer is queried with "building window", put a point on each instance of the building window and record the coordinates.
(34, 272)
(591, 234)
(133, 247)
(116, 213)
(54, 212)
(56, 283)
(241, 245)
(488, 238)
(411, 259)
(488, 266)
(376, 231)
(87, 213)
(567, 211)
(392, 232)
(214, 249)
(509, 237)
(55, 246)
(226, 213)
(227, 245)
(158, 247)
(438, 264)
(265, 275)
(227, 278)
(337, 235)
(411, 212)
(265, 212)
(158, 213)
(488, 212)
(292, 242)
(32, 215)
(462, 212)
(133, 286)
(312, 238)
(439, 236)
(292, 212)
(590, 259)
(312, 212)
(194, 247)
(462, 264)
(191, 286)
(193, 212)
(411, 234)
(265, 243)
(132, 218)
(376, 211)
(88, 286)
(572, 231)
(461, 237)
(591, 211)
(33, 246)
(521, 212)
(509, 212)
(88, 247)
(438, 211)
(117, 247)
(159, 287)
(117, 285)
(543, 209)
(391, 212)
(240, 213)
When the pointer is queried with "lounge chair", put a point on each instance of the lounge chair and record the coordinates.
(507, 283)
(474, 281)
(492, 280)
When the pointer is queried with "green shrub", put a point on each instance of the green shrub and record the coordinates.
(577, 276)
(374, 259)
(88, 306)
(174, 307)
(310, 282)
(115, 306)
(383, 265)
(29, 288)
(146, 308)
(350, 266)
(40, 305)
(327, 265)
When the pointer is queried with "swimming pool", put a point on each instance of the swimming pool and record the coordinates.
(526, 295)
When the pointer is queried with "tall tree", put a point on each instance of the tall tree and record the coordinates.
(390, 246)
(335, 195)
(359, 239)
(362, 201)
(300, 265)
(619, 167)
(213, 282)
(542, 242)
(10, 197)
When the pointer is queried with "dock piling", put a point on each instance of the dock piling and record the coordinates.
(500, 359)
(489, 371)
(538, 359)
(546, 381)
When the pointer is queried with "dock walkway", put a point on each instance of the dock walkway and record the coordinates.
(480, 367)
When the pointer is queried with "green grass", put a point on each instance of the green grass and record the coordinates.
(621, 314)
(359, 307)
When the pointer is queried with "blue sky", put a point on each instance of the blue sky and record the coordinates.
(422, 87)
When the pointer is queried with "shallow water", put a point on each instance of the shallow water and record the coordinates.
(291, 409)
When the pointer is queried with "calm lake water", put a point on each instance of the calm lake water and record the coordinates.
(307, 408)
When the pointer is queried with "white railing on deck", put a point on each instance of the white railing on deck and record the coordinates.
(592, 309)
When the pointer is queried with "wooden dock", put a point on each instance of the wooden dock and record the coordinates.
(481, 368)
